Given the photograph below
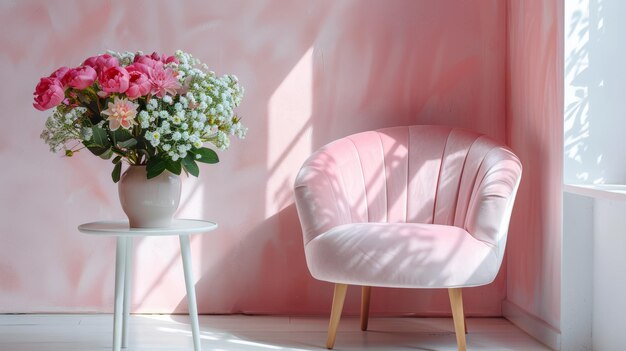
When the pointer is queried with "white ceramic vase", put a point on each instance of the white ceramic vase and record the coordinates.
(149, 203)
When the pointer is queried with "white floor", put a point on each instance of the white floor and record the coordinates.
(237, 332)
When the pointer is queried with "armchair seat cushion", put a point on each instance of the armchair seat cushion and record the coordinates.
(403, 255)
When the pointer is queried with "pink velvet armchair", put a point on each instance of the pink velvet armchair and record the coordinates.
(407, 207)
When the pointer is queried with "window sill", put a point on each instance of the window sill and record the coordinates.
(598, 191)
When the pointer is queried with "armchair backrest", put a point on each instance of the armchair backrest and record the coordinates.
(416, 174)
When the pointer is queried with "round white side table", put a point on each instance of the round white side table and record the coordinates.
(123, 267)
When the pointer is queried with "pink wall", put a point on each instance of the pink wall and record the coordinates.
(535, 132)
(313, 71)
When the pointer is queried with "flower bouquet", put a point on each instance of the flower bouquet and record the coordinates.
(152, 110)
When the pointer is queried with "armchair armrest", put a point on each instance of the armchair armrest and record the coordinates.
(319, 202)
(493, 197)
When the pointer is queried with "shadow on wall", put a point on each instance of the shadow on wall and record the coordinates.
(594, 85)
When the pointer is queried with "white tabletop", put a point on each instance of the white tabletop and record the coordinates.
(121, 228)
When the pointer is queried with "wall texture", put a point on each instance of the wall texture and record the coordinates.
(535, 132)
(314, 71)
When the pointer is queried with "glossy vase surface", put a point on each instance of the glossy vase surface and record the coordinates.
(149, 203)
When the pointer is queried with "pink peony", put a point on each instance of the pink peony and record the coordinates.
(48, 94)
(148, 61)
(163, 58)
(101, 62)
(164, 82)
(139, 83)
(59, 73)
(79, 77)
(114, 79)
(122, 113)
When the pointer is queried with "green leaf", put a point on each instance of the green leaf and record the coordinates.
(206, 155)
(99, 142)
(117, 170)
(106, 154)
(127, 144)
(173, 166)
(99, 138)
(121, 134)
(98, 150)
(190, 165)
(155, 166)
(117, 159)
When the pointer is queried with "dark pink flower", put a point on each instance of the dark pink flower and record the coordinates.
(139, 84)
(148, 61)
(48, 94)
(79, 77)
(169, 59)
(114, 79)
(164, 82)
(59, 73)
(101, 62)
(163, 58)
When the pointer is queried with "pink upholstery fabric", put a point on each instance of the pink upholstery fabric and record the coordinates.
(419, 206)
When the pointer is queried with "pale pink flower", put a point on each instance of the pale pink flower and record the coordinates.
(121, 112)
(79, 77)
(114, 79)
(48, 93)
(164, 82)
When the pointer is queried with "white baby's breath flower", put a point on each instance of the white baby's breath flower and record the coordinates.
(167, 99)
(86, 133)
(166, 147)
(176, 136)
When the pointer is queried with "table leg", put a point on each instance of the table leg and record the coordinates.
(120, 267)
(128, 273)
(191, 291)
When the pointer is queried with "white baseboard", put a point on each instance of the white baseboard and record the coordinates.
(532, 325)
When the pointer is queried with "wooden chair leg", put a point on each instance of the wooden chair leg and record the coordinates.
(366, 291)
(465, 323)
(335, 314)
(456, 302)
